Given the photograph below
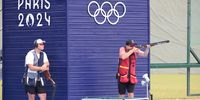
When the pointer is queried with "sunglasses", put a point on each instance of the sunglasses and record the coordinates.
(132, 45)
(41, 44)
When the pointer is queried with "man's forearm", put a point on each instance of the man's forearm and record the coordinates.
(126, 55)
(34, 68)
(145, 53)
(46, 64)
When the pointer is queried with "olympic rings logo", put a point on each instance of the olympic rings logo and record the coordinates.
(107, 14)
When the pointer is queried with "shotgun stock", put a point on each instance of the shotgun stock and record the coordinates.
(48, 76)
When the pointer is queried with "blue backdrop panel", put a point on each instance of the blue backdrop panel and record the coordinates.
(82, 53)
(93, 48)
(22, 24)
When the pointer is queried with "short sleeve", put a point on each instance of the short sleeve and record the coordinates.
(29, 58)
(121, 51)
(45, 58)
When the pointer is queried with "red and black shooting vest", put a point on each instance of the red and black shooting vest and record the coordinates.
(126, 70)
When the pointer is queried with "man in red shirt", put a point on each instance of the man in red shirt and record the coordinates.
(127, 66)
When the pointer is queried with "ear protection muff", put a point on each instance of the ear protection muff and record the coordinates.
(35, 44)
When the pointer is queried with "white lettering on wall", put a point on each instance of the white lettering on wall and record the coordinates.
(21, 18)
(27, 4)
(20, 3)
(47, 5)
(27, 18)
(31, 20)
(47, 18)
(36, 4)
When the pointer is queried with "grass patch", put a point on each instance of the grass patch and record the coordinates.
(0, 90)
(173, 86)
(168, 87)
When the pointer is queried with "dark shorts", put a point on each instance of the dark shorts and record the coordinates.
(123, 87)
(38, 89)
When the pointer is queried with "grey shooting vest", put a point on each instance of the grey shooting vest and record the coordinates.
(34, 76)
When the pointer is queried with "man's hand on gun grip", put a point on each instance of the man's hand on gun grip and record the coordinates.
(44, 68)
(148, 46)
(135, 49)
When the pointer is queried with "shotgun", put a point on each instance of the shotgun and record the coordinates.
(152, 44)
(48, 76)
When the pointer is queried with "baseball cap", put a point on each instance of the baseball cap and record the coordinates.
(39, 41)
(131, 43)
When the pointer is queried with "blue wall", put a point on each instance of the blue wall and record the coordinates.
(18, 40)
(83, 54)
